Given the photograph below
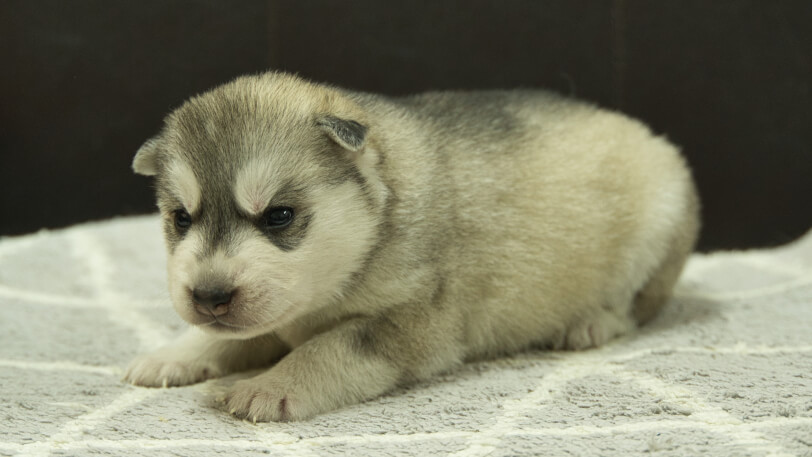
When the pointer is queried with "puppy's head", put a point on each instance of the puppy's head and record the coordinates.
(270, 201)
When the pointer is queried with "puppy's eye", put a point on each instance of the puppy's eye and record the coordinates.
(277, 218)
(182, 219)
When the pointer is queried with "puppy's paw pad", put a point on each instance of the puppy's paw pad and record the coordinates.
(162, 370)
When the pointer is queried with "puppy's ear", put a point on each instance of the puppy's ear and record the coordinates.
(146, 159)
(349, 134)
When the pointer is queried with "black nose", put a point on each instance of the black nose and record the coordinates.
(212, 301)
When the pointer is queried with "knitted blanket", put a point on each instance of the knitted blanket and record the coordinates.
(726, 369)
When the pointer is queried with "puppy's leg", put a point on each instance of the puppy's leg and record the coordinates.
(196, 356)
(607, 323)
(355, 361)
(658, 289)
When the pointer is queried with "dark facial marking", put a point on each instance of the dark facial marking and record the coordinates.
(171, 234)
(286, 218)
(290, 237)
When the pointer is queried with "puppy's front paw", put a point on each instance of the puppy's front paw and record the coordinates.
(166, 368)
(267, 398)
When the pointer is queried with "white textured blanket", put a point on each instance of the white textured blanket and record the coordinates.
(725, 370)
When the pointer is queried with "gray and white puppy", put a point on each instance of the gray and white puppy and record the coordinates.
(355, 242)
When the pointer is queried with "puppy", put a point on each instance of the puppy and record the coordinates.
(355, 242)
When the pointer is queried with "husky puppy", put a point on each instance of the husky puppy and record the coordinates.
(354, 242)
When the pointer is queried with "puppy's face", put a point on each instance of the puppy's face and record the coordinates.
(268, 203)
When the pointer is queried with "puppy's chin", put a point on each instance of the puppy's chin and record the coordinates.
(227, 331)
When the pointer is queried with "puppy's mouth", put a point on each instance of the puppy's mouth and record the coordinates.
(220, 324)
(217, 324)
(216, 319)
(228, 322)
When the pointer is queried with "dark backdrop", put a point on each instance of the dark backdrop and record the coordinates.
(84, 82)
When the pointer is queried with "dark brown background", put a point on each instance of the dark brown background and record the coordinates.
(83, 83)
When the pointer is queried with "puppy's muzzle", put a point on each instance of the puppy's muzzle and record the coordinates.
(212, 302)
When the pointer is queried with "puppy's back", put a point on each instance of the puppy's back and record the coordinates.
(551, 208)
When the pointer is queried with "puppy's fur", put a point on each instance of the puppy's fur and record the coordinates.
(426, 231)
